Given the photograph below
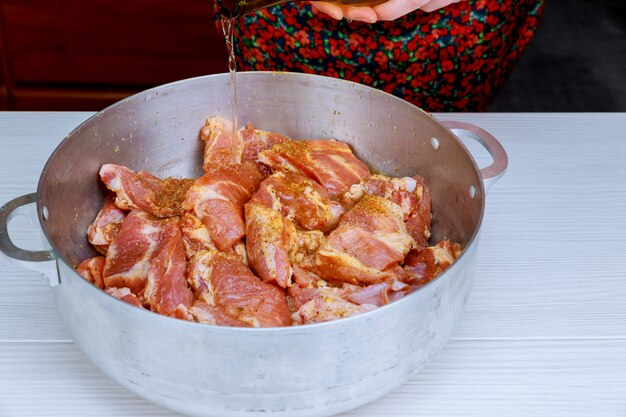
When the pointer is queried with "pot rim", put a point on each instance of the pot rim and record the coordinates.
(314, 326)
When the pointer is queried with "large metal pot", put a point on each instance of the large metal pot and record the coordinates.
(202, 370)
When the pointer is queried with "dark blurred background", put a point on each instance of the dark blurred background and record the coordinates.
(86, 54)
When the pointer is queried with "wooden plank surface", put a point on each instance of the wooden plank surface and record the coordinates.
(545, 328)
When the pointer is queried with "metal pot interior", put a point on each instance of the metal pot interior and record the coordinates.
(157, 131)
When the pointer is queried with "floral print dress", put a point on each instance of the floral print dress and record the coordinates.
(453, 59)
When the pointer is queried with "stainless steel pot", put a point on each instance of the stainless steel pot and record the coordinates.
(202, 370)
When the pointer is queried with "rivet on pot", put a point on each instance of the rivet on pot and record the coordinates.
(45, 213)
(435, 143)
(472, 192)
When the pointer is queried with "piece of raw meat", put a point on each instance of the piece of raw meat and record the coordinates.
(274, 244)
(195, 235)
(307, 285)
(268, 237)
(300, 199)
(424, 265)
(217, 199)
(256, 141)
(125, 295)
(411, 194)
(157, 197)
(128, 259)
(166, 286)
(92, 270)
(204, 313)
(106, 225)
(370, 240)
(218, 151)
(327, 306)
(380, 294)
(218, 135)
(329, 162)
(221, 280)
(418, 223)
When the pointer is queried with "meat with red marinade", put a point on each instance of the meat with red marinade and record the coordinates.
(424, 265)
(92, 270)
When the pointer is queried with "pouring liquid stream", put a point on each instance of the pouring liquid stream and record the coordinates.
(228, 25)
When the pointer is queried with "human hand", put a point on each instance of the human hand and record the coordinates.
(389, 10)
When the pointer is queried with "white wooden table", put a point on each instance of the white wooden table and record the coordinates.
(544, 333)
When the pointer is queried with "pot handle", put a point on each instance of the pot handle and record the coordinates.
(43, 261)
(493, 172)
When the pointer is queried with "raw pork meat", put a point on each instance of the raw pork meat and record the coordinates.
(106, 225)
(422, 266)
(92, 270)
(371, 238)
(329, 162)
(218, 151)
(166, 286)
(125, 295)
(300, 200)
(221, 280)
(129, 256)
(157, 197)
(217, 199)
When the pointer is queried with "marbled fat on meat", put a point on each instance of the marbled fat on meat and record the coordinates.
(300, 200)
(92, 269)
(329, 162)
(218, 151)
(166, 286)
(204, 313)
(125, 295)
(106, 225)
(371, 238)
(217, 199)
(267, 244)
(221, 280)
(195, 235)
(424, 265)
(129, 256)
(157, 197)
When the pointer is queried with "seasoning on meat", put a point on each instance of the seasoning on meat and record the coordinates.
(217, 199)
(106, 225)
(92, 269)
(157, 197)
(221, 280)
(371, 238)
(129, 256)
(329, 162)
(300, 199)
(218, 151)
(324, 239)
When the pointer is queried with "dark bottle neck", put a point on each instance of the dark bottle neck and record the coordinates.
(236, 8)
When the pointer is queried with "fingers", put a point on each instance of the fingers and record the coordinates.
(359, 13)
(393, 9)
(390, 10)
(333, 10)
(436, 4)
